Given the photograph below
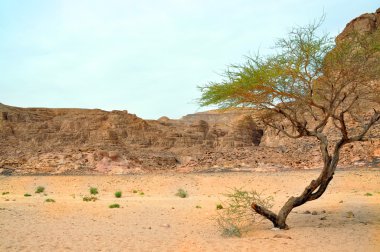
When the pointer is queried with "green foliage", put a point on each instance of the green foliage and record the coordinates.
(114, 206)
(40, 189)
(27, 195)
(368, 194)
(237, 215)
(5, 193)
(198, 206)
(118, 194)
(264, 81)
(93, 190)
(305, 83)
(135, 191)
(90, 198)
(50, 200)
(219, 206)
(181, 193)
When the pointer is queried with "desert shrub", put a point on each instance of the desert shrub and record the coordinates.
(90, 198)
(368, 194)
(237, 215)
(181, 193)
(94, 190)
(5, 193)
(27, 195)
(140, 192)
(50, 200)
(118, 194)
(219, 206)
(40, 189)
(198, 206)
(231, 230)
(114, 206)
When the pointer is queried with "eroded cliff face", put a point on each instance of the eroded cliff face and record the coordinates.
(40, 140)
(80, 141)
(83, 141)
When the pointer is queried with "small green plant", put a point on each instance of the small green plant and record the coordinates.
(181, 193)
(118, 194)
(27, 195)
(114, 206)
(134, 191)
(50, 200)
(93, 190)
(142, 193)
(90, 198)
(198, 206)
(5, 193)
(231, 230)
(237, 216)
(368, 194)
(40, 189)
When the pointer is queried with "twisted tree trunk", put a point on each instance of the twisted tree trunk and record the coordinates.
(312, 192)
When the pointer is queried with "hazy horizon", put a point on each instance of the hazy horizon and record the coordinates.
(147, 57)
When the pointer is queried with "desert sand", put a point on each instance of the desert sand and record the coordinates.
(161, 221)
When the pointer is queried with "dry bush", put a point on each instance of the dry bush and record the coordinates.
(237, 215)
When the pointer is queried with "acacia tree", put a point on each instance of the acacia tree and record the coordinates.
(310, 87)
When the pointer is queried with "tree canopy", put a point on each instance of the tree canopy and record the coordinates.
(308, 79)
(306, 83)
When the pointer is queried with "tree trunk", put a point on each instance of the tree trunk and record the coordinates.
(312, 192)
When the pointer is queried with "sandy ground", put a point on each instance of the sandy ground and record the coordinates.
(161, 221)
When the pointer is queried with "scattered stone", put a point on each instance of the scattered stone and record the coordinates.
(323, 218)
(307, 212)
(275, 229)
(314, 213)
(350, 214)
(165, 225)
(323, 211)
(341, 201)
(282, 236)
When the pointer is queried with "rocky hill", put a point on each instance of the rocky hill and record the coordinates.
(84, 141)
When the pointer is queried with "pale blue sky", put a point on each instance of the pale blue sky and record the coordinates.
(147, 57)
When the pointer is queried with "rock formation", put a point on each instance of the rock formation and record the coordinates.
(90, 141)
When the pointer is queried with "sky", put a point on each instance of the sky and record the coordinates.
(147, 56)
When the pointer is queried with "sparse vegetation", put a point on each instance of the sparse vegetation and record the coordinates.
(181, 193)
(114, 206)
(93, 190)
(90, 198)
(198, 206)
(368, 194)
(118, 194)
(231, 230)
(27, 195)
(140, 192)
(5, 193)
(238, 215)
(40, 189)
(50, 200)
